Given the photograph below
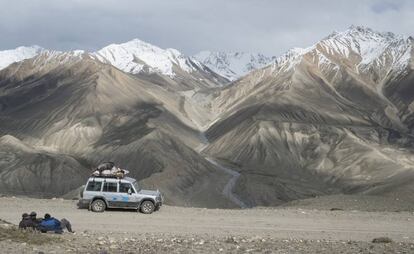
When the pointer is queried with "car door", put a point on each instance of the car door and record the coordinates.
(111, 194)
(128, 195)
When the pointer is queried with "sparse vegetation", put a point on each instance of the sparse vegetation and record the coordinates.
(11, 232)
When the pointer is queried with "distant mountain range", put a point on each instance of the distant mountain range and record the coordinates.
(137, 56)
(336, 117)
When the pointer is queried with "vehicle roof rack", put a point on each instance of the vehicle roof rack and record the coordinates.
(107, 176)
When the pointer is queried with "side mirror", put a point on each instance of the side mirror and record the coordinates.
(129, 191)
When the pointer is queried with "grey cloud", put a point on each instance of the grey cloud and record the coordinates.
(265, 26)
(381, 7)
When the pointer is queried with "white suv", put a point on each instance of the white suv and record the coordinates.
(109, 192)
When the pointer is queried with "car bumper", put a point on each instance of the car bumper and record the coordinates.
(158, 206)
(83, 203)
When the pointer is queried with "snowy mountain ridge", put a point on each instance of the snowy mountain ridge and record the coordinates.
(370, 48)
(135, 55)
(8, 57)
(232, 65)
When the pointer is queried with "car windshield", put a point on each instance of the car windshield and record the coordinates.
(136, 186)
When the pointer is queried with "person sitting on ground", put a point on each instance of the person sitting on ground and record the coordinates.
(51, 224)
(64, 223)
(34, 219)
(26, 222)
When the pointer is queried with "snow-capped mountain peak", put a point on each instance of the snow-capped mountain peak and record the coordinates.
(8, 57)
(361, 47)
(232, 65)
(363, 41)
(135, 56)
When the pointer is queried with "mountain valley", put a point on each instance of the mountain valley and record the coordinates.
(333, 118)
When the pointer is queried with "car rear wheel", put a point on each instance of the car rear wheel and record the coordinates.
(147, 207)
(98, 206)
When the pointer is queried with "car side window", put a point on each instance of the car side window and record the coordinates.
(94, 186)
(109, 187)
(124, 187)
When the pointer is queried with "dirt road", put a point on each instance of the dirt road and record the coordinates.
(228, 188)
(276, 223)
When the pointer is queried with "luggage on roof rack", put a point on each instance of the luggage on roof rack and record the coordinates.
(105, 166)
(107, 176)
(108, 169)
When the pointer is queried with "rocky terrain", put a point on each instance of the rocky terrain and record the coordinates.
(333, 118)
(197, 230)
(179, 244)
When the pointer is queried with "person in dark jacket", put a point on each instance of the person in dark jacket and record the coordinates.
(51, 224)
(34, 219)
(26, 222)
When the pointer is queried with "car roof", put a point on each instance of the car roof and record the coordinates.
(129, 179)
(111, 179)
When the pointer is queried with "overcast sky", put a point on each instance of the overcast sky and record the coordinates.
(268, 26)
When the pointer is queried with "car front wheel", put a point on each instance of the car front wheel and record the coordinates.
(147, 207)
(98, 206)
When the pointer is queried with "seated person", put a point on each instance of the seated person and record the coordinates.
(51, 224)
(33, 218)
(26, 222)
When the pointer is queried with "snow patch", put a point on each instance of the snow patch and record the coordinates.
(8, 57)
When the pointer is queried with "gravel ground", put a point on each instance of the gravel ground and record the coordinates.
(146, 243)
(368, 203)
(197, 230)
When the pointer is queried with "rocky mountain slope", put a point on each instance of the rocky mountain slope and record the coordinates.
(141, 58)
(68, 107)
(336, 117)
